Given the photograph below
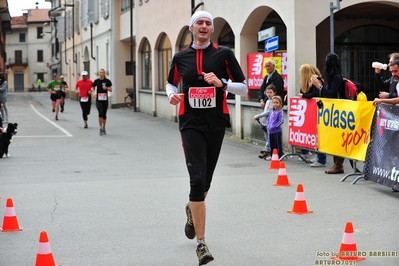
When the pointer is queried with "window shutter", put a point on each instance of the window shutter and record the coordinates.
(106, 9)
(85, 18)
(69, 24)
(96, 12)
(77, 17)
(61, 29)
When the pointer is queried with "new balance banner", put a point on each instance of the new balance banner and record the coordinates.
(343, 127)
(382, 154)
(302, 129)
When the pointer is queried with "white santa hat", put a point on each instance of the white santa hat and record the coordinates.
(200, 14)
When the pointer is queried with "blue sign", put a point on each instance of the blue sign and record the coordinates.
(271, 44)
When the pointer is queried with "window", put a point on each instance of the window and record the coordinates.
(146, 65)
(39, 55)
(39, 32)
(92, 11)
(164, 59)
(105, 8)
(125, 5)
(22, 37)
(18, 57)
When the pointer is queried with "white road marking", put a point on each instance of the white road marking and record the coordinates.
(51, 122)
(44, 136)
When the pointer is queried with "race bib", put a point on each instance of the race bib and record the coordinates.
(84, 99)
(202, 97)
(57, 87)
(102, 97)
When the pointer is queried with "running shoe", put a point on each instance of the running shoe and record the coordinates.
(104, 131)
(85, 125)
(203, 254)
(56, 118)
(101, 131)
(317, 164)
(189, 228)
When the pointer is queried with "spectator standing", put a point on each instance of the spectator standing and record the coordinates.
(332, 88)
(274, 122)
(270, 92)
(39, 84)
(387, 87)
(272, 77)
(3, 97)
(308, 91)
(394, 67)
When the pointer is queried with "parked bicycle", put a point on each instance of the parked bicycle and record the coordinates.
(129, 99)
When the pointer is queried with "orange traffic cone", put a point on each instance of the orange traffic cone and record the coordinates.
(274, 162)
(44, 256)
(348, 249)
(300, 202)
(10, 222)
(282, 178)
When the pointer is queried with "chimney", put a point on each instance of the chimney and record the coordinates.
(37, 5)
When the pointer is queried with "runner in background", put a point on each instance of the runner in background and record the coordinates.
(84, 88)
(102, 86)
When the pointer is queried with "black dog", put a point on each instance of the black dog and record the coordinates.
(6, 137)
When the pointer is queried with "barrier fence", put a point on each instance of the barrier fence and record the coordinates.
(356, 130)
(382, 154)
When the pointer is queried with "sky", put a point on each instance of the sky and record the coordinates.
(15, 7)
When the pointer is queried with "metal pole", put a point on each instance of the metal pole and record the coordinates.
(65, 38)
(332, 8)
(131, 56)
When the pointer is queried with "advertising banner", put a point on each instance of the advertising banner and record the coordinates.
(343, 127)
(256, 69)
(302, 123)
(382, 154)
(284, 67)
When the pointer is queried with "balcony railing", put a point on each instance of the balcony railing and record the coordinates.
(17, 61)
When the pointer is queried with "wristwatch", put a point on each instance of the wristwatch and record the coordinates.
(224, 81)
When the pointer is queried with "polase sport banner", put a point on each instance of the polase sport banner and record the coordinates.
(343, 127)
(382, 154)
(302, 128)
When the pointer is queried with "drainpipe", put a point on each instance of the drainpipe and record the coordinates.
(91, 41)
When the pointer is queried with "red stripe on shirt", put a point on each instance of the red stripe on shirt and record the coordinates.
(181, 106)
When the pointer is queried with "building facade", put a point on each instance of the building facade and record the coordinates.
(5, 26)
(30, 50)
(135, 44)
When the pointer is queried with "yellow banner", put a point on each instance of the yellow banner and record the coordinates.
(343, 127)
